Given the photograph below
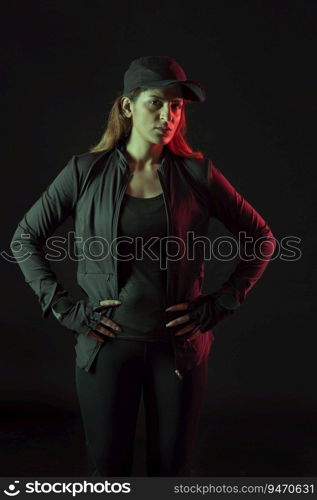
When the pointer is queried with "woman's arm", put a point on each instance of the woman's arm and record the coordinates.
(232, 209)
(51, 209)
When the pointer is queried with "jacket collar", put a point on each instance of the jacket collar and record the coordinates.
(121, 151)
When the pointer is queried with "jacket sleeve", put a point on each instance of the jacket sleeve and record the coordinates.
(50, 210)
(234, 211)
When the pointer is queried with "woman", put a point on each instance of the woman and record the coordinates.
(145, 327)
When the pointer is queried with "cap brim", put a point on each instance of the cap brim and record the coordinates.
(191, 90)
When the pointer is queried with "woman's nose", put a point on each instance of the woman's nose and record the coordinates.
(166, 113)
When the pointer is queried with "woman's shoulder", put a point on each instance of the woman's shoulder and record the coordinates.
(90, 162)
(90, 157)
(198, 168)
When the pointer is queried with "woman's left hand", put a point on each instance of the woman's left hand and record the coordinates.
(183, 319)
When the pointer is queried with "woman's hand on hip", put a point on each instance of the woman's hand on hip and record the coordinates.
(105, 322)
(183, 319)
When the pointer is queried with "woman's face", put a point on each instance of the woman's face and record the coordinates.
(156, 108)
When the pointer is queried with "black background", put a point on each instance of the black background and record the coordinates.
(63, 65)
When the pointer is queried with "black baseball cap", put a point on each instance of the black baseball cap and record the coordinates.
(161, 72)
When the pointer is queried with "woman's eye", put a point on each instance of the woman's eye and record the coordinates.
(175, 106)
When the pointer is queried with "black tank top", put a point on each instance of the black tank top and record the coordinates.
(141, 276)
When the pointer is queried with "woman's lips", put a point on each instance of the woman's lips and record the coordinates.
(163, 131)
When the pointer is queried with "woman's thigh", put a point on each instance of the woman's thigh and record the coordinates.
(109, 398)
(172, 410)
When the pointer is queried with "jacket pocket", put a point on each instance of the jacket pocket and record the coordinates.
(85, 348)
(98, 286)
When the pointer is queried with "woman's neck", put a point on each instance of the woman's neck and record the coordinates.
(143, 157)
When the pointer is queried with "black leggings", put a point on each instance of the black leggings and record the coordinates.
(109, 398)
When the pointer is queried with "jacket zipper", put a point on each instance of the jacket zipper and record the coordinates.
(176, 371)
(116, 231)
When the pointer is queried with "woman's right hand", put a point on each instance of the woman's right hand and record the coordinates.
(104, 321)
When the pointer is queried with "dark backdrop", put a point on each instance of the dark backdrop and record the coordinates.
(63, 65)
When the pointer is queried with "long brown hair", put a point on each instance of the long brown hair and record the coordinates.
(119, 127)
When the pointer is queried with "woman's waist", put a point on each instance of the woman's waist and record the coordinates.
(140, 318)
(135, 332)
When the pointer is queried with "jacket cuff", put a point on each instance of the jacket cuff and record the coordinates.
(46, 303)
(61, 306)
(227, 301)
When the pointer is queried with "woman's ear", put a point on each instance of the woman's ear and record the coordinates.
(126, 107)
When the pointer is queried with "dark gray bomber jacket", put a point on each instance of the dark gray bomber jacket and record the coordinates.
(90, 189)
